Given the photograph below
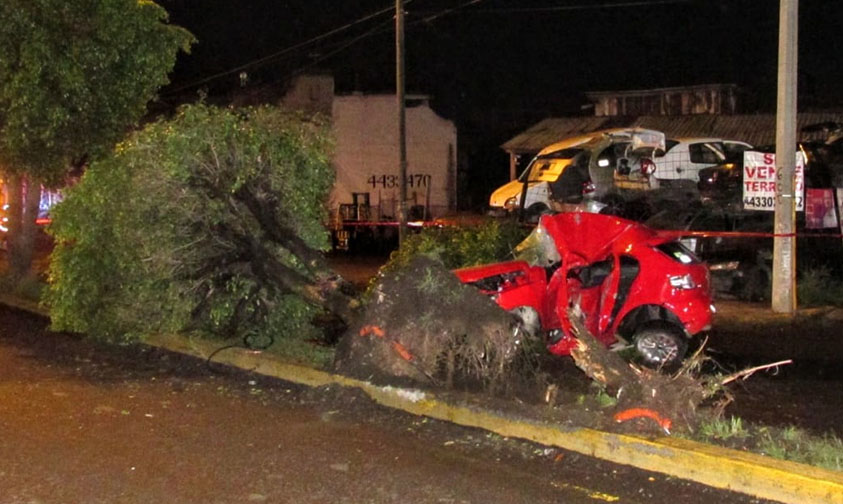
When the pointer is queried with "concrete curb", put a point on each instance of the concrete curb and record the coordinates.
(738, 471)
(748, 473)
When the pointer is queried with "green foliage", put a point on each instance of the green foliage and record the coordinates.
(459, 247)
(818, 287)
(719, 428)
(75, 75)
(785, 443)
(604, 400)
(791, 443)
(159, 237)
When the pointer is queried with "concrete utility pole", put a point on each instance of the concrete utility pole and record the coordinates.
(784, 245)
(402, 121)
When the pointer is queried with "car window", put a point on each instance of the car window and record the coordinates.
(668, 144)
(734, 149)
(678, 252)
(705, 153)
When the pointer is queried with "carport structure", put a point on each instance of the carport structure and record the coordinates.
(756, 129)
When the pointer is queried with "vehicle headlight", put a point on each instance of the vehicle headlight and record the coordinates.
(683, 282)
(724, 266)
(511, 203)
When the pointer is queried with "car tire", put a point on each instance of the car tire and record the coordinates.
(659, 345)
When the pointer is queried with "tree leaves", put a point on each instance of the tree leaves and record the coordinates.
(214, 219)
(75, 75)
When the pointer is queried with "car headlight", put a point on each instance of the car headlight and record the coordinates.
(511, 203)
(724, 266)
(683, 282)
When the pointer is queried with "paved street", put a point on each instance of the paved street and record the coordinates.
(82, 423)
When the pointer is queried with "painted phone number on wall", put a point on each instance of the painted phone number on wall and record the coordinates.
(390, 181)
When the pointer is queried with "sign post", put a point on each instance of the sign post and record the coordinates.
(784, 243)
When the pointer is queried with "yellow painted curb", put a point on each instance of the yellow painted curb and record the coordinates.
(710, 465)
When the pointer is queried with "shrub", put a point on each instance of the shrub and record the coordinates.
(817, 287)
(459, 247)
(212, 220)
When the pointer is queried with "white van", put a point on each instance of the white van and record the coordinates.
(582, 169)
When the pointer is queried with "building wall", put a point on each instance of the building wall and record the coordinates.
(366, 156)
(714, 99)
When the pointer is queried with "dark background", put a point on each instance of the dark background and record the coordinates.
(497, 66)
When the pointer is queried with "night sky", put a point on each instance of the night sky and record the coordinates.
(497, 66)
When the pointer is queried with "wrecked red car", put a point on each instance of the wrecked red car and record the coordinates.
(637, 289)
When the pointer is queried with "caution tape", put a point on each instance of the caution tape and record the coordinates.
(390, 224)
(744, 234)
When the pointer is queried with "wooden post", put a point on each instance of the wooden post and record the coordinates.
(784, 244)
(402, 125)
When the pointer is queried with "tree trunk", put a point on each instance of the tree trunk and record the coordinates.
(24, 199)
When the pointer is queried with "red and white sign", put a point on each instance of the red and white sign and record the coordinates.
(760, 178)
(820, 212)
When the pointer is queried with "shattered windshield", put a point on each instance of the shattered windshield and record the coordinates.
(538, 249)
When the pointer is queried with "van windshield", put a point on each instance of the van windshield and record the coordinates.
(548, 167)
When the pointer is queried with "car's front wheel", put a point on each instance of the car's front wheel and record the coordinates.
(659, 345)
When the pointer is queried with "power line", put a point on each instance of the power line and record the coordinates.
(374, 31)
(558, 8)
(448, 11)
(280, 53)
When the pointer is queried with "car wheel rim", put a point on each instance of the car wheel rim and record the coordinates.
(657, 348)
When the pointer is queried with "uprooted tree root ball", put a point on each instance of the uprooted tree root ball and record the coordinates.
(422, 325)
(648, 400)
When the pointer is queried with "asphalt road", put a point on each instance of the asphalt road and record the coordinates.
(85, 423)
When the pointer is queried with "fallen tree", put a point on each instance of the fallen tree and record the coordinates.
(212, 220)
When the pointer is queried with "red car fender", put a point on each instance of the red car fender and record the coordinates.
(515, 284)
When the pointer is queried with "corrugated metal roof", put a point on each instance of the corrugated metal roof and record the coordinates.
(756, 129)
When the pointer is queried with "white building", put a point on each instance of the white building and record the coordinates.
(366, 157)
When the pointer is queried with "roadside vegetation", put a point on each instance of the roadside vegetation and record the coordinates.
(209, 222)
(460, 247)
(784, 443)
(819, 287)
(75, 76)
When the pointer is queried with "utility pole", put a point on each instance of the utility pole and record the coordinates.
(784, 243)
(402, 121)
